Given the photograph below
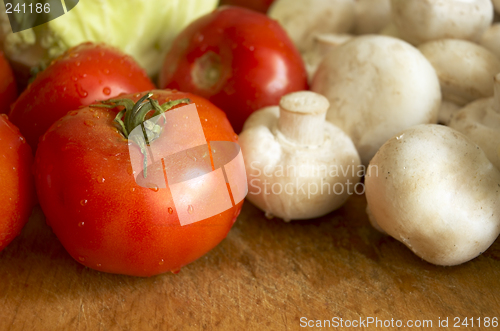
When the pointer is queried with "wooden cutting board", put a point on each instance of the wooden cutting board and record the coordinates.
(266, 275)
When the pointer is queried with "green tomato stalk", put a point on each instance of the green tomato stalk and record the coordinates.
(143, 113)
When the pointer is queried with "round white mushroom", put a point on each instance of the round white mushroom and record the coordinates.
(304, 19)
(377, 86)
(480, 121)
(298, 165)
(465, 69)
(419, 21)
(435, 190)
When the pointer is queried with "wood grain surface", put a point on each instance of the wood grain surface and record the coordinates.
(266, 275)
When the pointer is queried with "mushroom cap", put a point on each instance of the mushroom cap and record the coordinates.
(419, 21)
(481, 123)
(377, 86)
(436, 192)
(465, 69)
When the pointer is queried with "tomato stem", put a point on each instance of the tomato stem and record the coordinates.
(135, 114)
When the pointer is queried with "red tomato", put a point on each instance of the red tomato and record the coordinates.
(17, 190)
(257, 5)
(8, 89)
(104, 219)
(239, 59)
(84, 74)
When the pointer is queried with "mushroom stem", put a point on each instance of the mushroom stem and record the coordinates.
(496, 96)
(302, 117)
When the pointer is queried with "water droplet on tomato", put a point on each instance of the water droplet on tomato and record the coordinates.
(77, 64)
(99, 265)
(22, 139)
(132, 189)
(190, 209)
(81, 92)
(73, 113)
(81, 258)
(81, 224)
(206, 120)
(154, 188)
(106, 91)
(83, 202)
(170, 210)
(176, 271)
(161, 262)
(100, 179)
(89, 123)
(137, 95)
(73, 55)
(235, 136)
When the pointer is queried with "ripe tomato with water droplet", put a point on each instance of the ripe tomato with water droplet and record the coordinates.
(77, 78)
(244, 62)
(91, 200)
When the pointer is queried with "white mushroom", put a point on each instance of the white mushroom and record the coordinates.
(303, 19)
(436, 192)
(371, 15)
(298, 165)
(377, 86)
(419, 21)
(491, 39)
(322, 44)
(465, 69)
(480, 121)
